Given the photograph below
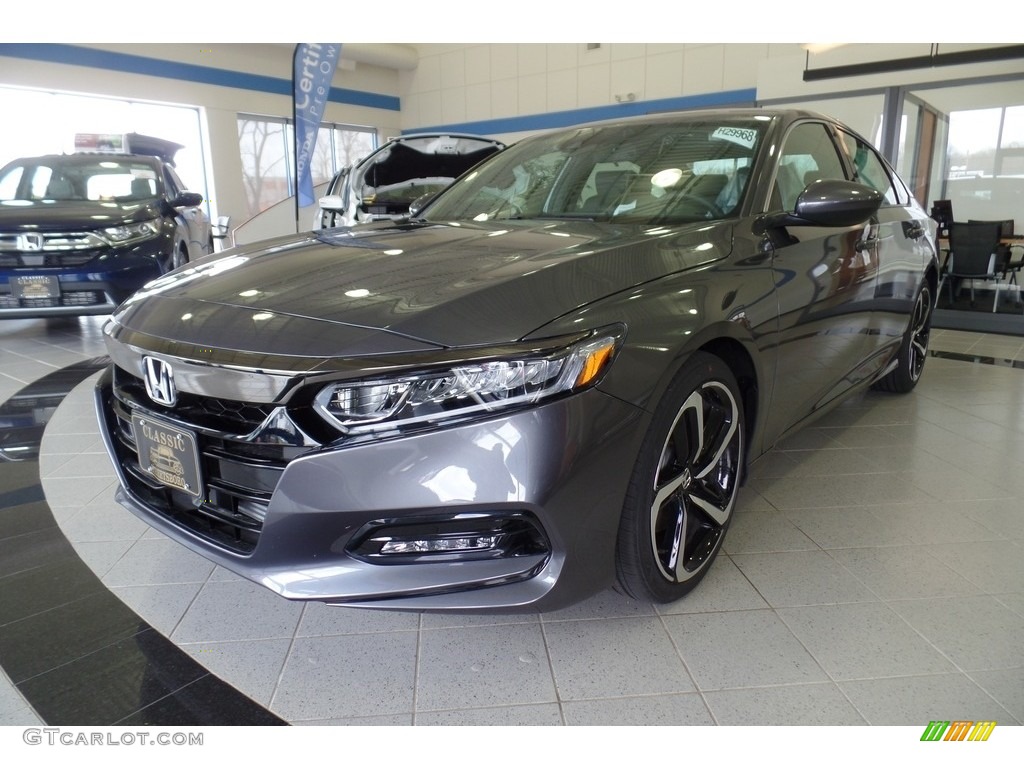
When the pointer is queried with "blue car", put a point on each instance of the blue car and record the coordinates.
(80, 233)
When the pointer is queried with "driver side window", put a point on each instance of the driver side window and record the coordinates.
(808, 154)
(868, 168)
(172, 184)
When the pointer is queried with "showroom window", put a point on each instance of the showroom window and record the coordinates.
(266, 167)
(265, 144)
(348, 144)
(985, 163)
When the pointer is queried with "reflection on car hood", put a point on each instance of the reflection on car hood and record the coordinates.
(444, 285)
(42, 216)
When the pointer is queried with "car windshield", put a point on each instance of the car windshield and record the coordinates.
(71, 178)
(661, 172)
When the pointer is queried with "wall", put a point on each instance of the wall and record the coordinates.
(507, 90)
(511, 89)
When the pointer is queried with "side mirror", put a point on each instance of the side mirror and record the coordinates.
(829, 203)
(332, 203)
(221, 227)
(420, 203)
(187, 200)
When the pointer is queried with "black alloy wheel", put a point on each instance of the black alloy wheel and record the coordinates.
(685, 483)
(914, 347)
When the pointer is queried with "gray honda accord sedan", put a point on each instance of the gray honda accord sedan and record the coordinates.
(550, 381)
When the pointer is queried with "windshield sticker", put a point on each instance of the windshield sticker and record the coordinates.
(745, 137)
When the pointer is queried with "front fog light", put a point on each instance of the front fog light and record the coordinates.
(418, 546)
(467, 536)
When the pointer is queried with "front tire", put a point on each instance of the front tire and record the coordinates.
(177, 259)
(684, 485)
(913, 348)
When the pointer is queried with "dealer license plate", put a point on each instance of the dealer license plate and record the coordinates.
(35, 287)
(168, 454)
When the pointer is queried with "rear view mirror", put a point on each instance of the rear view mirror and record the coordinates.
(829, 203)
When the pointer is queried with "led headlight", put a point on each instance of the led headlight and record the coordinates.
(367, 405)
(126, 234)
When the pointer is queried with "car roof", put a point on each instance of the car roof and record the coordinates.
(84, 157)
(138, 146)
(690, 115)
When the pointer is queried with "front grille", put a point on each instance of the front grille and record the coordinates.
(66, 299)
(38, 243)
(48, 259)
(226, 416)
(238, 476)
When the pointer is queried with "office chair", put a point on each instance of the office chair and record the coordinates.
(972, 256)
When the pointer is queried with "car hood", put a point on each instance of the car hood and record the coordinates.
(380, 289)
(43, 216)
(421, 157)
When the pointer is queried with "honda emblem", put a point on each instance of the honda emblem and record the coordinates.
(31, 241)
(159, 381)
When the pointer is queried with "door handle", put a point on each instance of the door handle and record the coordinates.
(913, 230)
(866, 244)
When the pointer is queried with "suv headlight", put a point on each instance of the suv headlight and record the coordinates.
(126, 234)
(459, 390)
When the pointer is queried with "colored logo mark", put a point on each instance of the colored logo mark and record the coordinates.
(958, 730)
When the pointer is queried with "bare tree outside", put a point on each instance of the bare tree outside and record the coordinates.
(265, 149)
(263, 146)
(322, 162)
(353, 145)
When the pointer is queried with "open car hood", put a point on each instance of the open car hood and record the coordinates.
(422, 157)
(137, 144)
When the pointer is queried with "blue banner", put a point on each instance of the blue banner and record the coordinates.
(312, 72)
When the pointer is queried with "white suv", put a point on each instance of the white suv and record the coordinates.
(398, 173)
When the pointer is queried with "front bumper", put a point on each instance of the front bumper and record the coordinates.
(94, 288)
(559, 471)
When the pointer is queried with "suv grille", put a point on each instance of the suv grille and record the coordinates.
(239, 477)
(76, 259)
(49, 249)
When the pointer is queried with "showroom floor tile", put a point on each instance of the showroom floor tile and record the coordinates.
(873, 575)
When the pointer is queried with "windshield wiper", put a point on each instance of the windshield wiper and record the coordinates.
(568, 216)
